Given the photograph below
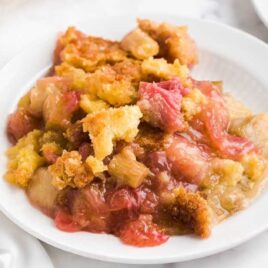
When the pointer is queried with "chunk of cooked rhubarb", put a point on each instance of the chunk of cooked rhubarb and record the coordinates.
(24, 159)
(193, 211)
(140, 44)
(174, 41)
(20, 123)
(43, 88)
(210, 89)
(108, 126)
(216, 122)
(85, 149)
(142, 232)
(123, 198)
(160, 104)
(59, 108)
(126, 169)
(69, 170)
(187, 160)
(64, 221)
(148, 200)
(41, 192)
(87, 210)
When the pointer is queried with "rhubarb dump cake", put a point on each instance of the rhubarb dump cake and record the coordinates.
(119, 138)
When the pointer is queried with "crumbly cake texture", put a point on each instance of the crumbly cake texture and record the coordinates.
(121, 139)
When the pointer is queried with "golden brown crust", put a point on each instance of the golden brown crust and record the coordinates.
(78, 77)
(193, 211)
(116, 84)
(160, 69)
(69, 170)
(24, 159)
(88, 52)
(150, 138)
(174, 42)
(108, 126)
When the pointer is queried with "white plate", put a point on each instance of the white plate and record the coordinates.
(238, 58)
(261, 7)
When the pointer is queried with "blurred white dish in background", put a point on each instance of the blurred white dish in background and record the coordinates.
(237, 58)
(20, 250)
(261, 7)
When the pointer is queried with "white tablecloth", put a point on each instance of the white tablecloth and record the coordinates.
(23, 21)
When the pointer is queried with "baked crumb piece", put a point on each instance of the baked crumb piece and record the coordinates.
(126, 169)
(160, 104)
(151, 139)
(95, 165)
(88, 52)
(140, 44)
(69, 170)
(108, 126)
(174, 41)
(161, 69)
(78, 77)
(192, 103)
(116, 84)
(229, 172)
(90, 103)
(193, 211)
(24, 159)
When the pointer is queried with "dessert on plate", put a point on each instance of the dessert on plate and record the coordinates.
(119, 138)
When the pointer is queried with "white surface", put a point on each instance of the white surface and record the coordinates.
(19, 20)
(23, 21)
(20, 250)
(241, 62)
(261, 7)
